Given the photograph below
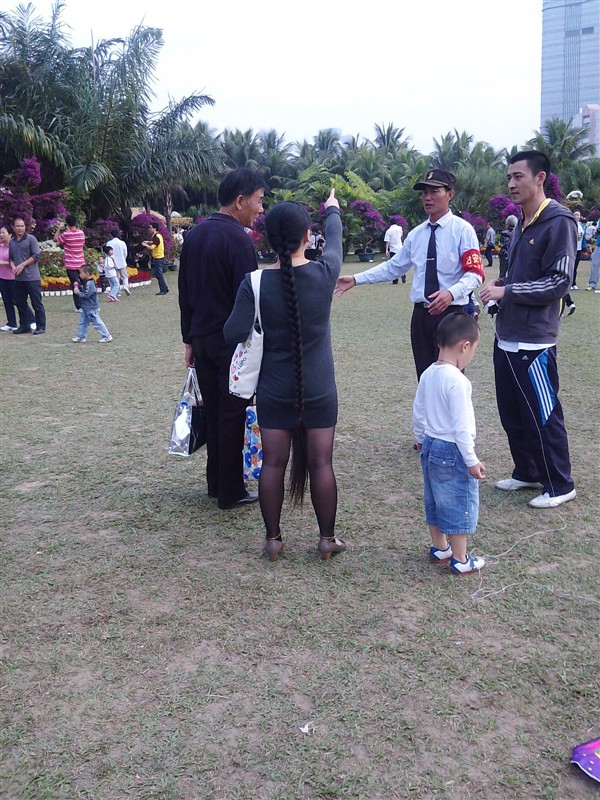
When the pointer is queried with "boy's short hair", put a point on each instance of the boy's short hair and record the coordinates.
(455, 328)
(107, 249)
(71, 220)
(85, 268)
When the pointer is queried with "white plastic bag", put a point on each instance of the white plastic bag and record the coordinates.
(247, 357)
(188, 431)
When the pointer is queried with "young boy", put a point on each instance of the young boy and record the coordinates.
(86, 289)
(444, 427)
(110, 272)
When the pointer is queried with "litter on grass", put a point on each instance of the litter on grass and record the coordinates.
(587, 756)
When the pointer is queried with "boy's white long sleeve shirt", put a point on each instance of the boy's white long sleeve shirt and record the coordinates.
(443, 409)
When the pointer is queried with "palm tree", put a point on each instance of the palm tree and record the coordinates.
(303, 155)
(170, 157)
(561, 142)
(451, 150)
(21, 137)
(328, 144)
(241, 148)
(275, 159)
(389, 139)
(96, 101)
(371, 166)
(475, 185)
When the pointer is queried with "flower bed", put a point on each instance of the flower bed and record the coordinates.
(57, 285)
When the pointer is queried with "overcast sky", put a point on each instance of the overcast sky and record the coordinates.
(427, 66)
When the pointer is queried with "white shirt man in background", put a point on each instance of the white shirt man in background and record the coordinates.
(393, 243)
(119, 249)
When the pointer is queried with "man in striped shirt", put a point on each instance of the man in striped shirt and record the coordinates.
(72, 239)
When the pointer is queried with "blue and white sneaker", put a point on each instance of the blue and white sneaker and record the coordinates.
(440, 556)
(472, 564)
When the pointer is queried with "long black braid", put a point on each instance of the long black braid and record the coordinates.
(286, 223)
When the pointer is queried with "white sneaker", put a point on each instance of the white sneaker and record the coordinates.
(545, 501)
(126, 290)
(105, 339)
(571, 309)
(513, 485)
(81, 339)
(440, 556)
(7, 328)
(472, 564)
(33, 326)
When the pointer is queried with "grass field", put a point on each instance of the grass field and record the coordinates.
(150, 651)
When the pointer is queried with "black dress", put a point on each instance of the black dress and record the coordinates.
(315, 282)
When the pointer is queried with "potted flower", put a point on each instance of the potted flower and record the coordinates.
(365, 226)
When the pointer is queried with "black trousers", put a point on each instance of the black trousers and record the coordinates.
(577, 260)
(503, 266)
(32, 289)
(225, 419)
(532, 416)
(6, 289)
(423, 335)
(74, 276)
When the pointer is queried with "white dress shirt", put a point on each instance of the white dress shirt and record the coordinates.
(453, 238)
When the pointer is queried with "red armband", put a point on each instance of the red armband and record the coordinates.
(472, 262)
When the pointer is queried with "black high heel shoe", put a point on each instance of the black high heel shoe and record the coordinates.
(330, 545)
(274, 547)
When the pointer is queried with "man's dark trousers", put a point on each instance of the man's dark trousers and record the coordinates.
(33, 289)
(423, 335)
(225, 419)
(532, 416)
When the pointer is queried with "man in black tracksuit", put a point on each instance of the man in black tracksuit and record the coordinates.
(540, 271)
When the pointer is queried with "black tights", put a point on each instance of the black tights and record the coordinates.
(323, 488)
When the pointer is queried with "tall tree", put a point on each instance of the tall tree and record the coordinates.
(389, 139)
(241, 148)
(562, 143)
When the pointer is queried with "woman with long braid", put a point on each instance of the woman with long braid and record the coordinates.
(296, 397)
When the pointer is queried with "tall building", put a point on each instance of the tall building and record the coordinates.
(570, 57)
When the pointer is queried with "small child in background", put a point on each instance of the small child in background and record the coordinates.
(86, 289)
(444, 427)
(102, 279)
(110, 270)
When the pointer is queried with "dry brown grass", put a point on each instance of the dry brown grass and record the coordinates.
(150, 652)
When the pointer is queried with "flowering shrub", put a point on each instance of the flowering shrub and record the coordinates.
(140, 225)
(52, 261)
(259, 234)
(40, 212)
(365, 224)
(514, 209)
(100, 232)
(498, 205)
(552, 187)
(397, 219)
(29, 174)
(477, 221)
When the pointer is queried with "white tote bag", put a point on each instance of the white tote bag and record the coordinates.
(247, 358)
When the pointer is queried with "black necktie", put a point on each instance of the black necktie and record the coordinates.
(431, 278)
